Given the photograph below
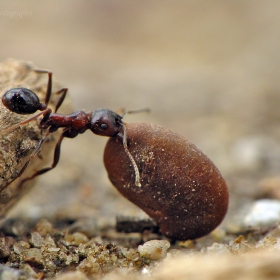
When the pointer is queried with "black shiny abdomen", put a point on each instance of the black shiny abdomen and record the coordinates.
(21, 101)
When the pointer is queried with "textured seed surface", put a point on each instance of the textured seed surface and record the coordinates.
(182, 190)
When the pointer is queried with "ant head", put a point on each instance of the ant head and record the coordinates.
(105, 122)
(22, 101)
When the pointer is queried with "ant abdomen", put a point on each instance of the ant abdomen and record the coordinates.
(22, 101)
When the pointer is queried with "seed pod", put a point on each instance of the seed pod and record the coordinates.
(181, 189)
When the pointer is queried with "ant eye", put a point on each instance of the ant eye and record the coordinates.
(104, 126)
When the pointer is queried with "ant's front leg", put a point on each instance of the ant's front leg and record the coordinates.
(35, 152)
(55, 160)
(66, 133)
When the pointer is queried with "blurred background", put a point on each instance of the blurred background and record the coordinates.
(209, 70)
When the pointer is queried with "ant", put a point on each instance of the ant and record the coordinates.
(103, 122)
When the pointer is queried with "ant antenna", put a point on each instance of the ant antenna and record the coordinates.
(136, 170)
(123, 111)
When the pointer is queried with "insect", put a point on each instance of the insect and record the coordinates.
(103, 122)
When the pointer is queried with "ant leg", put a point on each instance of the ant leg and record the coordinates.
(63, 92)
(55, 158)
(35, 152)
(49, 87)
(8, 130)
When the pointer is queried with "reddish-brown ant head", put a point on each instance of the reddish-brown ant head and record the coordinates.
(22, 101)
(105, 122)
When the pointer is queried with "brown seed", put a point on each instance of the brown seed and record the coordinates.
(181, 189)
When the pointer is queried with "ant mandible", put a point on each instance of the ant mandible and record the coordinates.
(103, 122)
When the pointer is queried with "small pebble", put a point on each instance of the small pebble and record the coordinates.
(263, 212)
(36, 239)
(154, 249)
(6, 244)
(34, 257)
(77, 238)
(43, 227)
(89, 266)
(20, 247)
